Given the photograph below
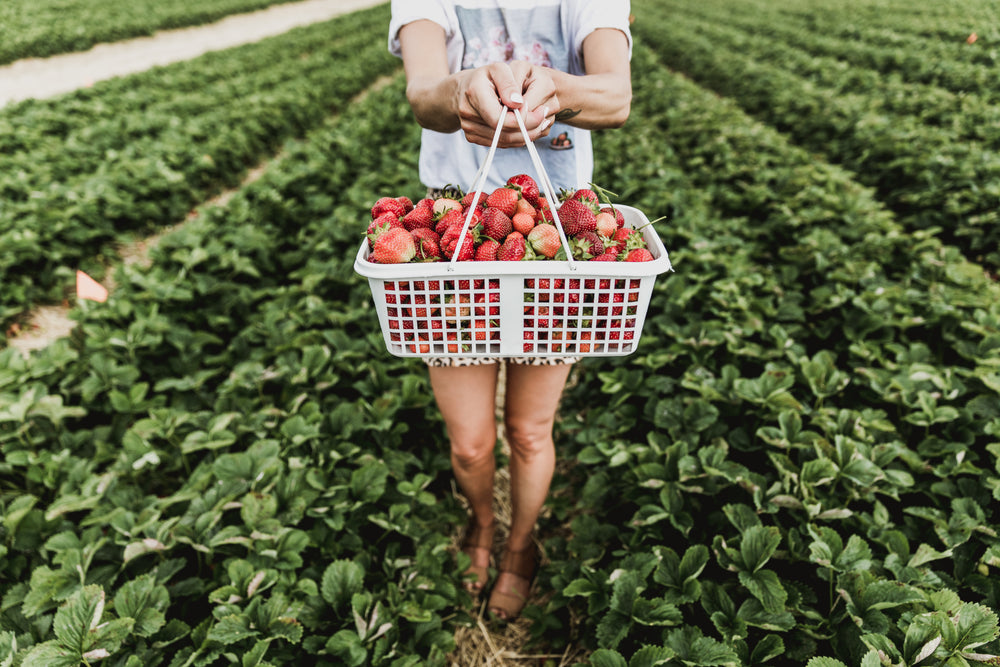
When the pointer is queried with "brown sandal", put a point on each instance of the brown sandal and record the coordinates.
(507, 605)
(477, 537)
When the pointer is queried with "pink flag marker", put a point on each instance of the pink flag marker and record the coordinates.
(88, 288)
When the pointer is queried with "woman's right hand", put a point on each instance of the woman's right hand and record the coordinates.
(484, 91)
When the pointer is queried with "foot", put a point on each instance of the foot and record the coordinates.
(510, 593)
(478, 545)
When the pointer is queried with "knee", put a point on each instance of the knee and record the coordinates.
(468, 453)
(528, 440)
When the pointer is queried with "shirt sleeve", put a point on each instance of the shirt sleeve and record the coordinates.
(408, 11)
(589, 16)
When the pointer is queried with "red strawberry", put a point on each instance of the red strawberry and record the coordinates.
(587, 245)
(527, 186)
(639, 255)
(496, 224)
(504, 199)
(450, 217)
(388, 205)
(576, 217)
(381, 224)
(606, 257)
(407, 204)
(449, 242)
(394, 246)
(428, 243)
(487, 251)
(544, 239)
(466, 200)
(588, 197)
(418, 217)
(513, 248)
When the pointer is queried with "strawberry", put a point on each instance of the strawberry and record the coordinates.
(496, 224)
(588, 197)
(449, 244)
(523, 206)
(450, 217)
(606, 257)
(419, 217)
(544, 239)
(428, 243)
(513, 248)
(427, 203)
(576, 217)
(606, 224)
(394, 246)
(527, 186)
(442, 204)
(407, 204)
(504, 199)
(381, 224)
(587, 245)
(639, 255)
(523, 223)
(487, 251)
(618, 215)
(388, 205)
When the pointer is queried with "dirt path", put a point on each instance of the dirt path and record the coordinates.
(39, 78)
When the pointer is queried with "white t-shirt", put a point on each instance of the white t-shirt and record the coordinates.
(478, 32)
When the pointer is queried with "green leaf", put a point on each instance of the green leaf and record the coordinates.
(78, 616)
(771, 646)
(976, 625)
(758, 545)
(922, 635)
(766, 587)
(887, 594)
(341, 580)
(143, 600)
(651, 656)
(694, 649)
(51, 654)
(603, 657)
(368, 482)
(231, 629)
(347, 646)
(656, 612)
(824, 662)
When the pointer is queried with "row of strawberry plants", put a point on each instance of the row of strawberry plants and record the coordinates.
(915, 61)
(929, 179)
(967, 116)
(41, 28)
(787, 469)
(99, 169)
(947, 22)
(221, 461)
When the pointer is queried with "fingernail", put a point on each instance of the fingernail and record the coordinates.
(545, 112)
(516, 97)
(545, 123)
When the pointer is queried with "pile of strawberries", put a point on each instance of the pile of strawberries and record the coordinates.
(512, 223)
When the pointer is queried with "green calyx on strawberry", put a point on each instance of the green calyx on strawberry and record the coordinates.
(586, 245)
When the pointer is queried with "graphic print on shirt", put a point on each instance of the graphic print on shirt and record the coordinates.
(534, 35)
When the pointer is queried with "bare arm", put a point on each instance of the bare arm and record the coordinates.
(472, 100)
(602, 98)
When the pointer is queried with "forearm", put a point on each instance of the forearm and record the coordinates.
(435, 101)
(593, 101)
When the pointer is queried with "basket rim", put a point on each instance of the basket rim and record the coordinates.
(445, 269)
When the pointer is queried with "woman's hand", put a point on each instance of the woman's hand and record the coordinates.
(518, 85)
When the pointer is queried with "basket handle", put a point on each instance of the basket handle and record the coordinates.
(479, 182)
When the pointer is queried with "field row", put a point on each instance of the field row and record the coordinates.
(133, 155)
(41, 28)
(929, 171)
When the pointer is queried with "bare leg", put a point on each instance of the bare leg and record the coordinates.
(466, 396)
(532, 398)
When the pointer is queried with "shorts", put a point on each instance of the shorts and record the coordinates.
(480, 361)
(456, 193)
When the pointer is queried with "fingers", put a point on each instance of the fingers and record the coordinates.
(516, 85)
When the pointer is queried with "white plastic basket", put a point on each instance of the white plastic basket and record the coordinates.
(544, 308)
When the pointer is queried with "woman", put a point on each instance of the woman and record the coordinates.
(565, 66)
